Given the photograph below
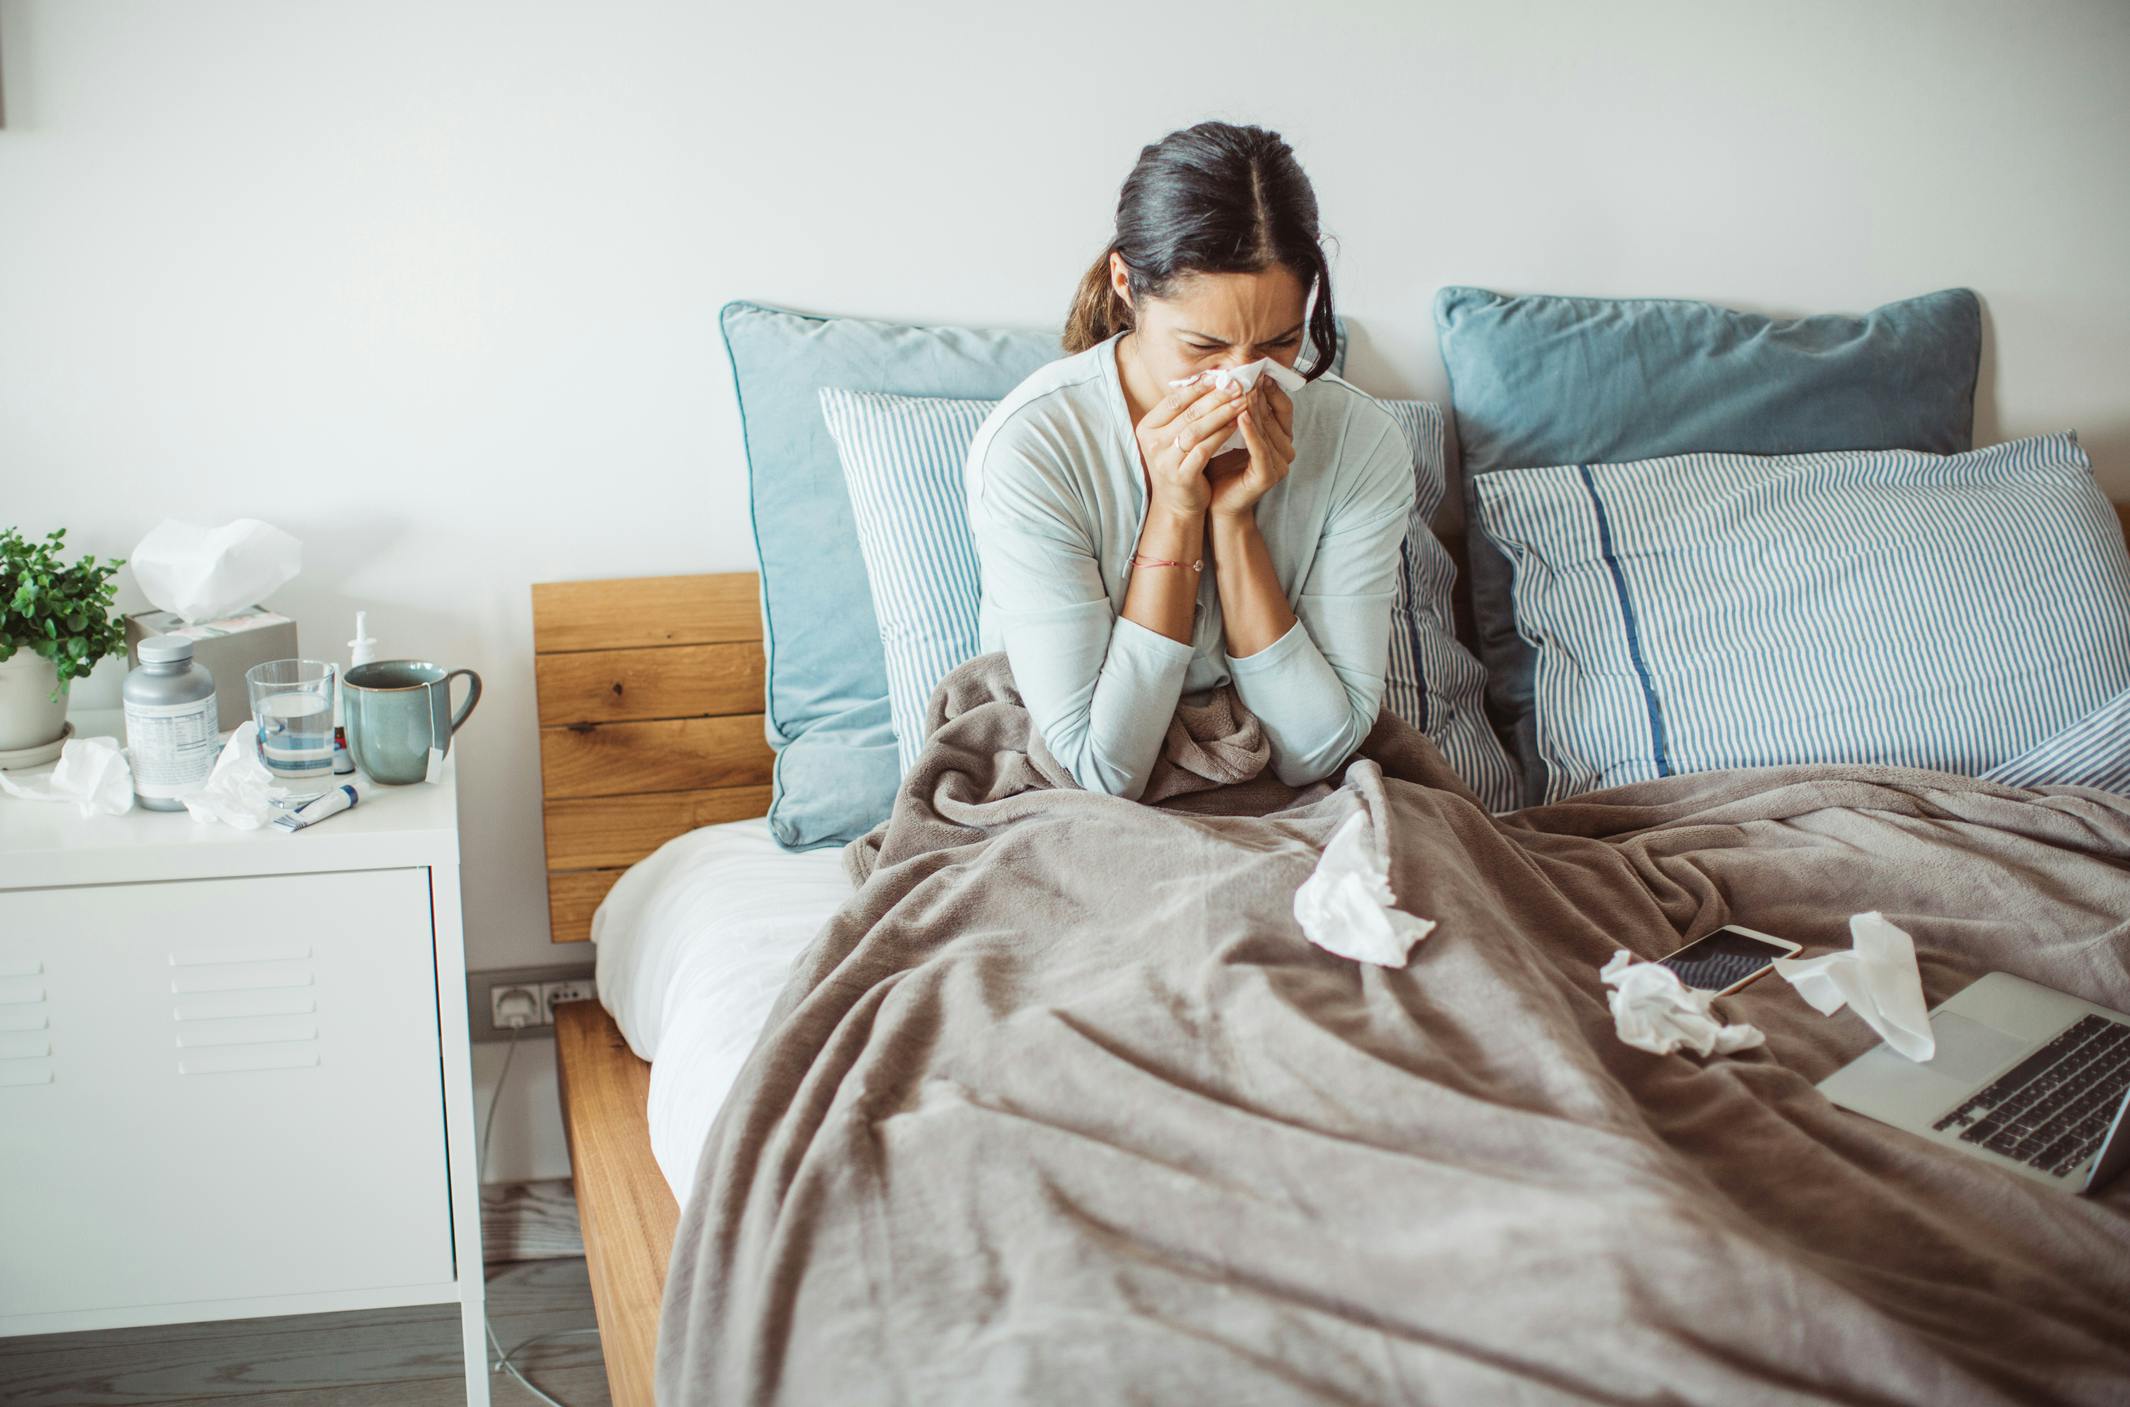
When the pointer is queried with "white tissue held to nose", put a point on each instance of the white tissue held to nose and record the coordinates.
(1877, 979)
(1246, 376)
(1653, 1010)
(1344, 907)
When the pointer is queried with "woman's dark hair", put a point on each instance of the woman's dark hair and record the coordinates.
(1210, 199)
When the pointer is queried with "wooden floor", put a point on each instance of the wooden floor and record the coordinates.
(374, 1358)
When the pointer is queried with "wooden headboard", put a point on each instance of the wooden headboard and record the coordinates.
(650, 699)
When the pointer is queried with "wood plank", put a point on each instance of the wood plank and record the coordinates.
(629, 612)
(675, 681)
(627, 1211)
(571, 898)
(604, 831)
(405, 1355)
(523, 1221)
(678, 754)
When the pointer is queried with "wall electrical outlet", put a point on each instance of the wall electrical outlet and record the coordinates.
(517, 1004)
(574, 989)
(532, 990)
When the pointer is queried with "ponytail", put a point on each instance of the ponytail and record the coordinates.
(1097, 313)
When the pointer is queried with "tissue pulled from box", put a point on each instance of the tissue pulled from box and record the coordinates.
(92, 773)
(206, 573)
(1653, 1010)
(239, 793)
(1877, 978)
(1344, 906)
(1246, 376)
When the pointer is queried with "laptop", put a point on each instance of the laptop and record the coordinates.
(2026, 1077)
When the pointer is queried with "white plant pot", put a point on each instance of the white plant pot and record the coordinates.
(28, 716)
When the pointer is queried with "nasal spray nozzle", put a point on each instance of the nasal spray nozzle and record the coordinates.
(361, 650)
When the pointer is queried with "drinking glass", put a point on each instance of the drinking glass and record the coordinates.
(292, 708)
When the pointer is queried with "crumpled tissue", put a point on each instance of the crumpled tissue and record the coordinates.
(1653, 1010)
(92, 773)
(239, 793)
(207, 573)
(1344, 906)
(1877, 976)
(1247, 376)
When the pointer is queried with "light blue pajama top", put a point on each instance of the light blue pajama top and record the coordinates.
(1057, 497)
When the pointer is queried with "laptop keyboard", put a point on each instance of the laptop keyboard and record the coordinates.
(2052, 1109)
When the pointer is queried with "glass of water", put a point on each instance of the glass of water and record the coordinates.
(292, 707)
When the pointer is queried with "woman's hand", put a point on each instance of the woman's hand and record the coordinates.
(1177, 438)
(1267, 416)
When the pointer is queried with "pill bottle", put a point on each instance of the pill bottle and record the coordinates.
(170, 722)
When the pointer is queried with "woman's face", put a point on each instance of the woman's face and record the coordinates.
(1216, 320)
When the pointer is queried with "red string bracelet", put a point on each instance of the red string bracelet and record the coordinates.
(1143, 561)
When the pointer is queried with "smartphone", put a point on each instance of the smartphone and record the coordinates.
(1723, 961)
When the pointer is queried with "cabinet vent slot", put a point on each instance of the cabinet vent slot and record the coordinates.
(25, 1022)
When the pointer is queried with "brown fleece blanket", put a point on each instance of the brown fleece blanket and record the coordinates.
(1062, 1108)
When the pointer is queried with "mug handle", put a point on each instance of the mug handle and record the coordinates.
(473, 696)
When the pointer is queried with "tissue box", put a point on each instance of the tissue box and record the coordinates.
(225, 648)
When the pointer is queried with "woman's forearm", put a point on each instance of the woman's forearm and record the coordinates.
(1253, 607)
(1163, 598)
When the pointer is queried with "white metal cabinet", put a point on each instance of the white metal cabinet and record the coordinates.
(220, 1089)
(235, 1075)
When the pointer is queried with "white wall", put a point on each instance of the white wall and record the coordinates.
(433, 285)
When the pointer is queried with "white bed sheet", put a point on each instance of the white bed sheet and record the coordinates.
(694, 942)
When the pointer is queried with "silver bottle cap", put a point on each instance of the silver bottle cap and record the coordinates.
(165, 649)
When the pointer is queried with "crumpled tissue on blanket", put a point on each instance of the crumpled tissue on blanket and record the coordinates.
(1877, 976)
(1344, 906)
(1247, 377)
(1653, 1010)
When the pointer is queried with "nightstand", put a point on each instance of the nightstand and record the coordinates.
(235, 1075)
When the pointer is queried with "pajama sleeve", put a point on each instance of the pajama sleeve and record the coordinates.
(1100, 688)
(1318, 688)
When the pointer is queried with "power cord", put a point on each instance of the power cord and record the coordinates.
(516, 1016)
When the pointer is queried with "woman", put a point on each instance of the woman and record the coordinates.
(1124, 563)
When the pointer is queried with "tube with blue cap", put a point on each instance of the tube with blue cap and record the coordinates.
(339, 799)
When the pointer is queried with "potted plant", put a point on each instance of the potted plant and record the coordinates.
(56, 622)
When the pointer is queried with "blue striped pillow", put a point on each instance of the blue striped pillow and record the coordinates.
(1707, 611)
(902, 460)
(2093, 752)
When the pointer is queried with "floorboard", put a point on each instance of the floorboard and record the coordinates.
(405, 1357)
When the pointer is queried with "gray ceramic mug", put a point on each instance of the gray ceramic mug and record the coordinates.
(399, 713)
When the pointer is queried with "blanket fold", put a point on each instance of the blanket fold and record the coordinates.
(1061, 1106)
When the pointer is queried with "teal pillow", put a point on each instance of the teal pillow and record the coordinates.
(1538, 380)
(826, 699)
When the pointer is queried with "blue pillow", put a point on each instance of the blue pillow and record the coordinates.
(904, 457)
(1538, 380)
(826, 707)
(826, 699)
(1882, 607)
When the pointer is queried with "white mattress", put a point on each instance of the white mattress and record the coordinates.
(694, 943)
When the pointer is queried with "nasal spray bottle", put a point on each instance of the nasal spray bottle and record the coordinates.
(361, 650)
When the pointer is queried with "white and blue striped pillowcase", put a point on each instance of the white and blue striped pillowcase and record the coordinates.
(1433, 682)
(1725, 610)
(902, 459)
(2093, 752)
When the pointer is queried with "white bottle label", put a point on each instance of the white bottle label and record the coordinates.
(172, 746)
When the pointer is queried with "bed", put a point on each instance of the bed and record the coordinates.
(650, 728)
